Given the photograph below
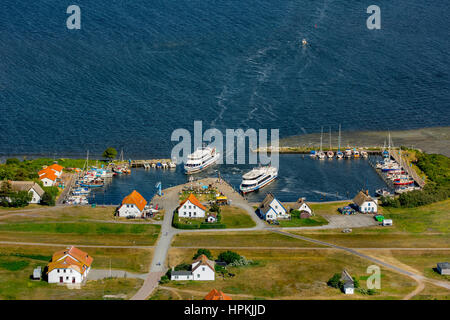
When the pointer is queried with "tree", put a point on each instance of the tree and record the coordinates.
(48, 199)
(110, 153)
(214, 208)
(12, 161)
(334, 281)
(206, 252)
(20, 198)
(229, 256)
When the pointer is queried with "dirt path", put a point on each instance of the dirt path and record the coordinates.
(420, 287)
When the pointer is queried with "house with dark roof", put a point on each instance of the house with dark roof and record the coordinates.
(201, 269)
(272, 209)
(365, 203)
(303, 207)
(349, 285)
(443, 268)
(30, 186)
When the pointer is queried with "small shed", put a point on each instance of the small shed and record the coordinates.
(37, 273)
(349, 286)
(443, 268)
(211, 218)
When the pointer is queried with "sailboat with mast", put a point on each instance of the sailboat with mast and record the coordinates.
(339, 153)
(321, 154)
(330, 153)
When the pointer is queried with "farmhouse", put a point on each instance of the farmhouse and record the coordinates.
(216, 295)
(57, 169)
(69, 266)
(272, 209)
(48, 177)
(364, 203)
(303, 207)
(132, 205)
(349, 285)
(191, 208)
(29, 186)
(443, 268)
(201, 269)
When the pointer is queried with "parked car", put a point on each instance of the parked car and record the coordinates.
(347, 230)
(347, 210)
(379, 218)
(387, 222)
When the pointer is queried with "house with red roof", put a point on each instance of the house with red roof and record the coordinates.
(133, 205)
(48, 177)
(57, 169)
(191, 208)
(215, 294)
(70, 265)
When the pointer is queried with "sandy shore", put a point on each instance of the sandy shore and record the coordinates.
(430, 140)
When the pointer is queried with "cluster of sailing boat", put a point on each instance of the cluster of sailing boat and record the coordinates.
(92, 178)
(394, 172)
(348, 153)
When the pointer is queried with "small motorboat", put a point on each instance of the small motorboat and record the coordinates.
(330, 154)
(304, 42)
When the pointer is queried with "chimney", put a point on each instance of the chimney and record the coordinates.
(367, 192)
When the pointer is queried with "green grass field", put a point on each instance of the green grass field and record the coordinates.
(297, 222)
(232, 217)
(238, 239)
(17, 264)
(81, 233)
(287, 274)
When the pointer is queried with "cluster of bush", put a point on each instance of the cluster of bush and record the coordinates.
(13, 199)
(437, 169)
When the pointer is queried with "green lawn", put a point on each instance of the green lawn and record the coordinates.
(297, 222)
(287, 274)
(17, 264)
(81, 233)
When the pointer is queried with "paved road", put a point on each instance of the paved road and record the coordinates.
(97, 274)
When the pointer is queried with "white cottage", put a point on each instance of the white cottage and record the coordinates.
(132, 205)
(202, 269)
(48, 177)
(69, 266)
(364, 203)
(349, 285)
(272, 209)
(30, 186)
(303, 207)
(191, 208)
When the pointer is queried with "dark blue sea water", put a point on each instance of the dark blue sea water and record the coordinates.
(299, 176)
(139, 69)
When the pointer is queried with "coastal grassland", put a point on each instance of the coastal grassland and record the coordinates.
(316, 220)
(202, 197)
(432, 292)
(420, 227)
(237, 239)
(60, 213)
(328, 207)
(288, 274)
(94, 233)
(234, 217)
(17, 264)
(424, 261)
(132, 260)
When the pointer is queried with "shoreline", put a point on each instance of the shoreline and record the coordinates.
(427, 139)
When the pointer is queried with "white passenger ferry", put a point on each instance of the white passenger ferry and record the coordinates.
(258, 178)
(200, 159)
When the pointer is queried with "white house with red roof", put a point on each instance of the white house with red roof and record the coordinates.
(132, 205)
(48, 177)
(57, 169)
(191, 208)
(69, 266)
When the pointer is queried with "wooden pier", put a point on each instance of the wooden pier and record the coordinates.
(411, 172)
(146, 163)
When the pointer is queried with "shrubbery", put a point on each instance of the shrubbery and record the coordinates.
(229, 256)
(437, 169)
(206, 252)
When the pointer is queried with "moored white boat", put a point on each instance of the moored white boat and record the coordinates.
(201, 159)
(258, 178)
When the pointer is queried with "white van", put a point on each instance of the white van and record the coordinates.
(387, 222)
